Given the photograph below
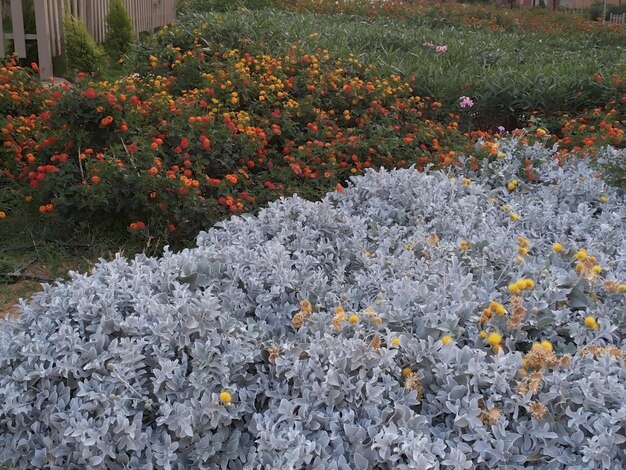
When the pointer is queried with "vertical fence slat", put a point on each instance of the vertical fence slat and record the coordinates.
(43, 39)
(1, 33)
(52, 26)
(17, 18)
(59, 10)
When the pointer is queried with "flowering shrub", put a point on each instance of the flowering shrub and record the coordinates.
(184, 150)
(406, 320)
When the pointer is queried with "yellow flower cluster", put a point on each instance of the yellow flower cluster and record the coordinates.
(494, 307)
(494, 339)
(524, 245)
(521, 285)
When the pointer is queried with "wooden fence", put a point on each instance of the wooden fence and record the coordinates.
(145, 15)
(617, 19)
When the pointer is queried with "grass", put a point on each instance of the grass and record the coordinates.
(32, 248)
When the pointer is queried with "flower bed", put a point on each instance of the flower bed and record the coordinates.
(409, 319)
(225, 132)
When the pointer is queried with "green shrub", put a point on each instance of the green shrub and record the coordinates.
(119, 30)
(595, 10)
(198, 6)
(82, 52)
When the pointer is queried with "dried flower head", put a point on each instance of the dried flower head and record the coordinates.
(490, 416)
(302, 315)
(274, 353)
(537, 410)
(413, 382)
(540, 356)
(432, 239)
(517, 315)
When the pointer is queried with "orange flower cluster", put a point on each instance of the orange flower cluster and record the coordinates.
(222, 132)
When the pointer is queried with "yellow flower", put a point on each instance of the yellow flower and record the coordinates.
(483, 334)
(547, 345)
(520, 259)
(621, 288)
(514, 217)
(464, 245)
(395, 341)
(515, 288)
(447, 339)
(557, 247)
(603, 199)
(523, 242)
(597, 269)
(497, 307)
(494, 339)
(591, 323)
(354, 319)
(541, 132)
(512, 184)
(522, 250)
(581, 255)
(225, 397)
(528, 283)
(406, 371)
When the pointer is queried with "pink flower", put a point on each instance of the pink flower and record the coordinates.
(441, 49)
(465, 102)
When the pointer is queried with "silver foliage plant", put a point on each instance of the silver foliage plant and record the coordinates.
(124, 367)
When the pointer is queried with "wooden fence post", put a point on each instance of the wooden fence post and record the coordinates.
(43, 39)
(17, 18)
(1, 33)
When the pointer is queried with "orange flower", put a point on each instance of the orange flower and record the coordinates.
(95, 179)
(2, 215)
(106, 121)
(231, 178)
